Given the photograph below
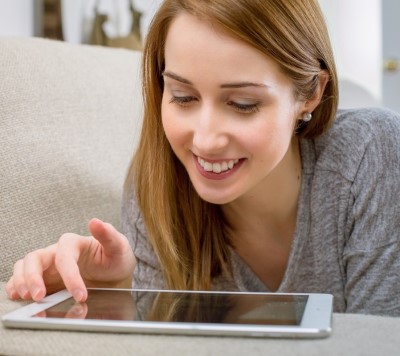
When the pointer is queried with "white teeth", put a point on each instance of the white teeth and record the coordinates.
(217, 167)
(208, 166)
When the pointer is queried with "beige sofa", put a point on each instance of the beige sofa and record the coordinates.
(69, 121)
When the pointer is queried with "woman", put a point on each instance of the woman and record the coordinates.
(246, 177)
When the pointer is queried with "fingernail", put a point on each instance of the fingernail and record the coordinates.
(23, 291)
(35, 292)
(78, 295)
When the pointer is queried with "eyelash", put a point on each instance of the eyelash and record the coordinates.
(244, 108)
(241, 108)
(182, 100)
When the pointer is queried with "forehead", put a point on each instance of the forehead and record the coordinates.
(196, 45)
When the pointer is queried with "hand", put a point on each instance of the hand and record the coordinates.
(104, 259)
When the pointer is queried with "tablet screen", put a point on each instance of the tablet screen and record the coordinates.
(168, 306)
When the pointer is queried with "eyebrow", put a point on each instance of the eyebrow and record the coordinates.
(223, 86)
(176, 77)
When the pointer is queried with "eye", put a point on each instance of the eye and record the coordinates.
(244, 108)
(182, 100)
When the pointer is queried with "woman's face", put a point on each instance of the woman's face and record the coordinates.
(228, 111)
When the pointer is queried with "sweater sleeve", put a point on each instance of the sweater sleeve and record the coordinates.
(372, 252)
(147, 273)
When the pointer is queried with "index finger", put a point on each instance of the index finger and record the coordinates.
(69, 249)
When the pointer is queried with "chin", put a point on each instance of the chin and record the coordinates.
(215, 198)
(215, 192)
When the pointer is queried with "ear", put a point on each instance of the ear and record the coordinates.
(313, 102)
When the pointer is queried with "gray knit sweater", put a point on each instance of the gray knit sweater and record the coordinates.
(347, 236)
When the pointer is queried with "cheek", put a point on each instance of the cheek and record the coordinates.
(270, 138)
(173, 128)
(270, 129)
(167, 118)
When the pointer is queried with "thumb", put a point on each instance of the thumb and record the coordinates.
(108, 236)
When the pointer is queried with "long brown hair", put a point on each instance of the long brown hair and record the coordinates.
(188, 234)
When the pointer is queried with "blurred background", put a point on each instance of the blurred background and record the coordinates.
(364, 35)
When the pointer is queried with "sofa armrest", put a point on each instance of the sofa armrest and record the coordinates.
(69, 120)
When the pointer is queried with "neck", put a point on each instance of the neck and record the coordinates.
(270, 209)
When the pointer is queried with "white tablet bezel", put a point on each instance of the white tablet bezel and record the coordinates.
(316, 321)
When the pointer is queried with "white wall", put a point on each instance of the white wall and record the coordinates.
(356, 33)
(16, 18)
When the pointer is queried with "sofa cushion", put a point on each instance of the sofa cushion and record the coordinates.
(69, 120)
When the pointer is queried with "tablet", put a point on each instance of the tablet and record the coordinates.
(181, 312)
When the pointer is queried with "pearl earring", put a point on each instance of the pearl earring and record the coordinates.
(307, 117)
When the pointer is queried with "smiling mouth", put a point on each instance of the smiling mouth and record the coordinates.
(217, 167)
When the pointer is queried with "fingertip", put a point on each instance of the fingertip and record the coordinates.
(38, 293)
(26, 295)
(102, 231)
(12, 293)
(96, 226)
(80, 295)
(95, 221)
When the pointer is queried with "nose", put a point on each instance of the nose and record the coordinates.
(210, 134)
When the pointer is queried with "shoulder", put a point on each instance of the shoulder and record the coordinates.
(364, 125)
(359, 135)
